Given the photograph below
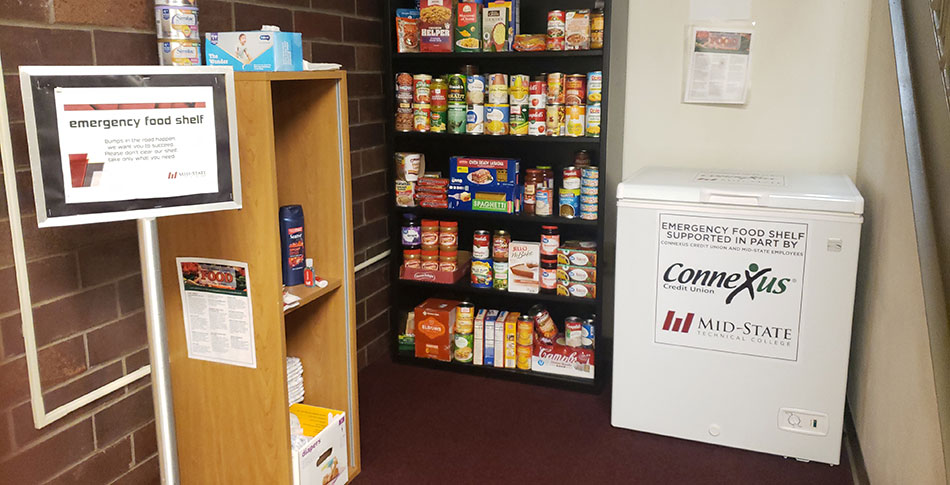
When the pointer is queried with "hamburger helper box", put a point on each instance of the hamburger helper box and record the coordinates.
(324, 458)
(484, 184)
(435, 326)
(259, 50)
(435, 21)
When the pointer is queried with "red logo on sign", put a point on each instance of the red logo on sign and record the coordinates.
(674, 324)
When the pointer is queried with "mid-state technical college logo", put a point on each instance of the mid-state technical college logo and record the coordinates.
(680, 277)
(724, 329)
(674, 324)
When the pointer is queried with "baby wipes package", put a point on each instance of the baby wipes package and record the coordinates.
(255, 50)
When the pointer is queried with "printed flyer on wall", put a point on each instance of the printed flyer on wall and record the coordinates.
(718, 69)
(216, 299)
(122, 143)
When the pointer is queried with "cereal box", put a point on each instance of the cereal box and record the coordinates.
(479, 331)
(524, 273)
(511, 326)
(468, 27)
(495, 29)
(484, 184)
(577, 30)
(500, 339)
(435, 20)
(435, 325)
(489, 352)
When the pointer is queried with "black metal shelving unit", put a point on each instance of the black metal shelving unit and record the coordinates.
(532, 151)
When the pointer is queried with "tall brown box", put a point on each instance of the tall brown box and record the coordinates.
(435, 324)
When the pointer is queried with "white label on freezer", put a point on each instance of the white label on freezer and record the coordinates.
(741, 178)
(730, 285)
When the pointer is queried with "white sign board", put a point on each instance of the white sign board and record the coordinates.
(730, 285)
(115, 143)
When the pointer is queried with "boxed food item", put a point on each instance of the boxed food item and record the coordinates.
(407, 339)
(435, 325)
(511, 327)
(407, 30)
(435, 23)
(495, 29)
(491, 318)
(577, 253)
(513, 20)
(255, 50)
(563, 360)
(524, 273)
(479, 339)
(576, 274)
(484, 184)
(405, 193)
(579, 290)
(468, 27)
(577, 30)
(500, 338)
(324, 458)
(529, 42)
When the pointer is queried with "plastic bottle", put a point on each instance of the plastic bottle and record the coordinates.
(293, 255)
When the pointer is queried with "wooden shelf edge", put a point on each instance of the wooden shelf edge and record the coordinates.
(312, 293)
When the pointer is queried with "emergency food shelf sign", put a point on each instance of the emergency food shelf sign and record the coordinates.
(730, 285)
(114, 143)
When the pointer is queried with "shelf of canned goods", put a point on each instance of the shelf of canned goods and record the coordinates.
(503, 147)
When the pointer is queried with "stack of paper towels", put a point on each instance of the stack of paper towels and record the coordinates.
(294, 380)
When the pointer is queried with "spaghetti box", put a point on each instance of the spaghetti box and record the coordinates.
(258, 50)
(435, 324)
(484, 184)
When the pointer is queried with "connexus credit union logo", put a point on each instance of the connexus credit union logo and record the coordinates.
(752, 280)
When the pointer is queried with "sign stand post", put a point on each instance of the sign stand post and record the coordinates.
(158, 349)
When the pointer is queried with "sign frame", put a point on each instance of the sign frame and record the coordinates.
(143, 75)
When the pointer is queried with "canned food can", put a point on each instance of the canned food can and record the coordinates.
(589, 216)
(538, 101)
(592, 208)
(518, 119)
(543, 202)
(575, 90)
(496, 119)
(574, 119)
(500, 275)
(176, 22)
(589, 182)
(585, 190)
(403, 84)
(555, 94)
(497, 88)
(475, 119)
(554, 119)
(545, 329)
(456, 84)
(597, 29)
(571, 178)
(593, 120)
(595, 86)
(588, 332)
(437, 122)
(536, 121)
(523, 353)
(179, 52)
(481, 245)
(420, 117)
(538, 86)
(404, 119)
(518, 89)
(464, 347)
(589, 199)
(465, 318)
(525, 329)
(481, 273)
(420, 88)
(455, 118)
(475, 89)
(569, 203)
(555, 37)
(573, 332)
(590, 172)
(499, 246)
(548, 278)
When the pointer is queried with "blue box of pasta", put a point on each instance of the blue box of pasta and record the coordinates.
(258, 50)
(484, 184)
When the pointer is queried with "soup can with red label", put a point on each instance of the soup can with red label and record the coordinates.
(575, 89)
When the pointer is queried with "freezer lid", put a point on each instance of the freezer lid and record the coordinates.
(829, 193)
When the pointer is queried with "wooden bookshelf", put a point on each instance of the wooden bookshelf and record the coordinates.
(233, 422)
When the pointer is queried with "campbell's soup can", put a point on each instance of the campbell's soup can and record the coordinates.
(523, 354)
(595, 86)
(518, 89)
(475, 89)
(420, 116)
(481, 245)
(573, 332)
(575, 89)
(518, 119)
(574, 117)
(538, 86)
(496, 119)
(555, 37)
(475, 119)
(555, 88)
(571, 178)
(593, 120)
(456, 84)
(497, 88)
(455, 118)
(536, 121)
(421, 84)
(554, 119)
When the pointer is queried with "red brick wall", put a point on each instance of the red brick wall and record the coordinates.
(84, 280)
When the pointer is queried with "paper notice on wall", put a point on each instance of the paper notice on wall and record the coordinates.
(216, 300)
(129, 143)
(719, 65)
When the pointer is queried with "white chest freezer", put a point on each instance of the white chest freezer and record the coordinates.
(734, 298)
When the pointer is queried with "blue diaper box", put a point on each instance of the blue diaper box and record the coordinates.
(255, 50)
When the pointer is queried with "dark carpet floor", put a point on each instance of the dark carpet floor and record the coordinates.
(424, 426)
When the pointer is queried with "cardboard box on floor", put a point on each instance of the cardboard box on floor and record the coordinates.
(435, 325)
(324, 460)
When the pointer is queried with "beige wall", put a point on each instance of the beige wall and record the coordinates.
(891, 386)
(804, 109)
